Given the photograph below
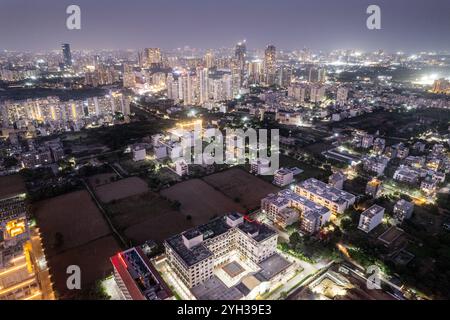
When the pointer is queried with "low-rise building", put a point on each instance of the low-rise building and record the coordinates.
(406, 174)
(139, 152)
(283, 177)
(337, 201)
(137, 278)
(375, 164)
(337, 180)
(278, 208)
(403, 210)
(195, 253)
(371, 218)
(374, 188)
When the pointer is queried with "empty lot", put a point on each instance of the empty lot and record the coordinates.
(121, 189)
(200, 200)
(147, 217)
(241, 186)
(74, 233)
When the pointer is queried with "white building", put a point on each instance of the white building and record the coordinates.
(337, 180)
(259, 166)
(283, 177)
(371, 218)
(139, 152)
(181, 167)
(325, 195)
(403, 210)
(278, 206)
(195, 253)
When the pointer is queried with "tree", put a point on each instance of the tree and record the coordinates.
(9, 162)
(295, 239)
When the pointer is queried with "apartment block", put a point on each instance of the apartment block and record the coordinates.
(371, 218)
(337, 201)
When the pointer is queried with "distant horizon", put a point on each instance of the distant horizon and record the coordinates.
(320, 25)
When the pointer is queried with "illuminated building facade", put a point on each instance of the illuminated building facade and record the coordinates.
(20, 267)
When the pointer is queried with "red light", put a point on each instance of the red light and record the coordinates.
(122, 260)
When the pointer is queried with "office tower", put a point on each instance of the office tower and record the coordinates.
(202, 74)
(152, 56)
(209, 59)
(270, 59)
(67, 55)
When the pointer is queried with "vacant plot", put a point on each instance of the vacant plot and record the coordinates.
(242, 187)
(147, 217)
(121, 189)
(11, 186)
(93, 260)
(101, 179)
(74, 232)
(200, 200)
(74, 216)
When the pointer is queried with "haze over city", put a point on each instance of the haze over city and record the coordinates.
(289, 24)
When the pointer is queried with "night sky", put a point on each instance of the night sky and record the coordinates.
(407, 25)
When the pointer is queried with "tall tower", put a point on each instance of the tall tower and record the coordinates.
(270, 66)
(203, 83)
(67, 55)
(209, 59)
(240, 54)
(152, 56)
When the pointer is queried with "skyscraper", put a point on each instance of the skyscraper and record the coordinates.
(270, 66)
(240, 54)
(202, 73)
(152, 56)
(209, 59)
(67, 55)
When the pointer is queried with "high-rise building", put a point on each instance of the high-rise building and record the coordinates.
(23, 270)
(129, 78)
(67, 55)
(152, 56)
(254, 71)
(284, 76)
(341, 95)
(209, 59)
(317, 75)
(270, 66)
(204, 84)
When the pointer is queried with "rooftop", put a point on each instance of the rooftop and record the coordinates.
(273, 266)
(373, 211)
(326, 191)
(212, 229)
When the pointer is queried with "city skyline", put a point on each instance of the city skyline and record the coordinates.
(287, 24)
